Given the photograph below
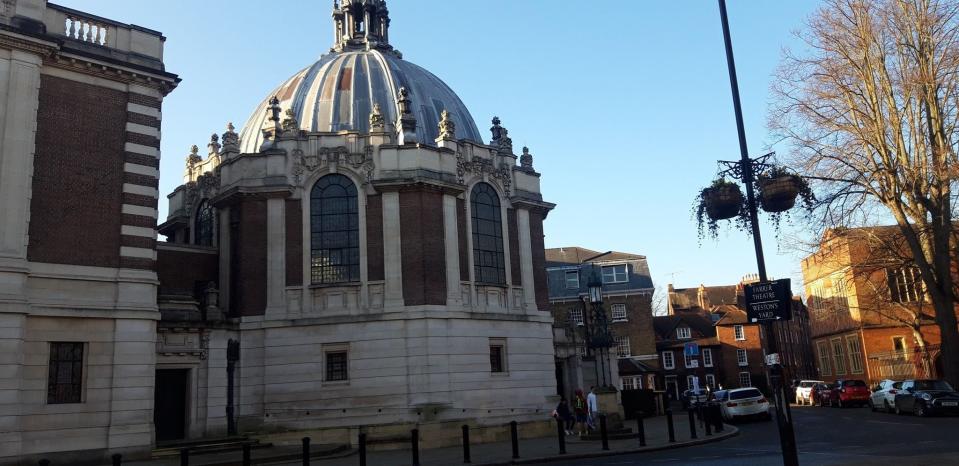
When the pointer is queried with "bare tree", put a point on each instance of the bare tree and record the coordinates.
(871, 110)
(660, 300)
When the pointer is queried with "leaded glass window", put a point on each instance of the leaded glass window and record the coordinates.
(203, 227)
(489, 265)
(334, 231)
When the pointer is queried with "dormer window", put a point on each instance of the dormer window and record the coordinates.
(614, 274)
(683, 333)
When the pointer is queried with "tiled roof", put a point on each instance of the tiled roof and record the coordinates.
(630, 366)
(568, 256)
(731, 315)
(711, 341)
(665, 326)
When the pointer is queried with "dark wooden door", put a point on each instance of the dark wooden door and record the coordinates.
(169, 408)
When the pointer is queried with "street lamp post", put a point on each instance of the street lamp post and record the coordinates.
(745, 172)
(600, 337)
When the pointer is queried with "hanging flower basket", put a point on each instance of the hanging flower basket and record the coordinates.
(778, 194)
(722, 201)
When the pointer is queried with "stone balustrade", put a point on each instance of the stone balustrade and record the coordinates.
(97, 31)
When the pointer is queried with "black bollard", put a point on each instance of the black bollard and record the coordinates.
(602, 432)
(561, 435)
(184, 457)
(246, 454)
(466, 443)
(717, 411)
(692, 423)
(116, 459)
(44, 462)
(306, 451)
(514, 438)
(669, 426)
(361, 445)
(415, 444)
(706, 416)
(641, 429)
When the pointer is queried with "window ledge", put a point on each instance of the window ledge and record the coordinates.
(336, 383)
(500, 374)
(620, 320)
(335, 285)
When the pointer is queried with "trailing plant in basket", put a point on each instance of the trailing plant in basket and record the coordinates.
(722, 200)
(770, 198)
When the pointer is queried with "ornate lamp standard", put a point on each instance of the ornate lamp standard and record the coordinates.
(599, 336)
(744, 170)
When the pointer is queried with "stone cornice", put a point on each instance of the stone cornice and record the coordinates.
(235, 194)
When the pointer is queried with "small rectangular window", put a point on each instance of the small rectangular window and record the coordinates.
(745, 380)
(824, 357)
(690, 361)
(65, 378)
(683, 333)
(740, 332)
(614, 274)
(576, 315)
(741, 357)
(855, 354)
(838, 356)
(619, 312)
(707, 357)
(497, 355)
(690, 382)
(572, 280)
(337, 366)
(899, 344)
(711, 381)
(622, 347)
(668, 362)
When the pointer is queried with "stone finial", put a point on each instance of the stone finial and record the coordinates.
(274, 109)
(501, 139)
(289, 123)
(447, 127)
(194, 157)
(407, 122)
(214, 145)
(404, 101)
(231, 140)
(377, 122)
(526, 160)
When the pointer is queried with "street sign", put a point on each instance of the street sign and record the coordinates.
(691, 349)
(694, 364)
(769, 301)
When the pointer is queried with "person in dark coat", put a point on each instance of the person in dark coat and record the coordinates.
(565, 415)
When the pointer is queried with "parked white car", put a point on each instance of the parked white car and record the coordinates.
(804, 391)
(884, 396)
(744, 402)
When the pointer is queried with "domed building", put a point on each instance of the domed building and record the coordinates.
(355, 255)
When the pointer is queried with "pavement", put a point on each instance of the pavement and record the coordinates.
(825, 436)
(536, 450)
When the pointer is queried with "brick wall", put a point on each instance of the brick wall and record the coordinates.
(75, 210)
(537, 242)
(248, 261)
(511, 226)
(638, 325)
(294, 242)
(374, 237)
(423, 247)
(729, 364)
(182, 272)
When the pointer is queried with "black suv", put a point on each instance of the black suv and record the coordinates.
(925, 397)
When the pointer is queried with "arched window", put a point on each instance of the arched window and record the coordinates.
(203, 226)
(334, 231)
(489, 265)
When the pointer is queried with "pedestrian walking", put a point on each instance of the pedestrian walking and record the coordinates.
(593, 405)
(563, 413)
(579, 409)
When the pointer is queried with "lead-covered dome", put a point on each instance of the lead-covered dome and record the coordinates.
(338, 92)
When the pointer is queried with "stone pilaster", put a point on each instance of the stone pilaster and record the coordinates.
(454, 296)
(392, 250)
(526, 259)
(276, 257)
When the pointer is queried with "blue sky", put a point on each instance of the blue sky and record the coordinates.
(624, 105)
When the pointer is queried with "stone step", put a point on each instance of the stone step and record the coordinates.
(207, 446)
(611, 434)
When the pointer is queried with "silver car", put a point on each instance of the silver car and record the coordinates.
(884, 395)
(803, 391)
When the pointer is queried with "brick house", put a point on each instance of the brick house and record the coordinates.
(868, 313)
(735, 344)
(627, 300)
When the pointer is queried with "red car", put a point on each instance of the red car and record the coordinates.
(849, 393)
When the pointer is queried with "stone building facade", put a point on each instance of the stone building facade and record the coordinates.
(627, 300)
(80, 112)
(355, 255)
